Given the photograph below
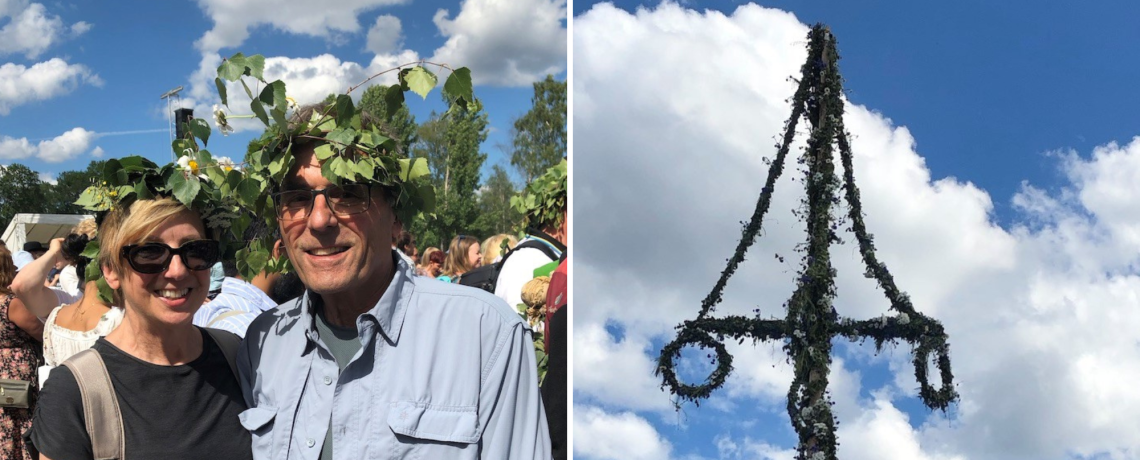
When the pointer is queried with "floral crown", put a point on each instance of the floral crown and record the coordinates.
(346, 141)
(543, 201)
(126, 180)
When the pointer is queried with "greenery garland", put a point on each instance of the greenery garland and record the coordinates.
(543, 201)
(348, 149)
(812, 320)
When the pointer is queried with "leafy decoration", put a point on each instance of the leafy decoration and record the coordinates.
(812, 320)
(544, 199)
(349, 149)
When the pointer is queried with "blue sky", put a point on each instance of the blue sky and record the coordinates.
(986, 87)
(997, 156)
(110, 62)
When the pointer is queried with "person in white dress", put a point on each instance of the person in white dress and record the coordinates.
(71, 324)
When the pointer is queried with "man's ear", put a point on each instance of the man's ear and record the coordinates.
(111, 277)
(279, 249)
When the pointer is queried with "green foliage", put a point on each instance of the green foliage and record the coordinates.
(451, 147)
(540, 135)
(496, 215)
(19, 192)
(543, 202)
(401, 123)
(812, 321)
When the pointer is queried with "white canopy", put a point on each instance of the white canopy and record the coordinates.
(38, 227)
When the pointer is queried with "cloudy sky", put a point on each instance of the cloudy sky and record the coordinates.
(998, 157)
(81, 80)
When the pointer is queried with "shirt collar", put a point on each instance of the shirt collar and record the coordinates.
(389, 311)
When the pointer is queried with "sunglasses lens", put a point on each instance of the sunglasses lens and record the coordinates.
(200, 255)
(149, 258)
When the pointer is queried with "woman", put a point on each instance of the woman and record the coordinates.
(462, 256)
(493, 247)
(20, 355)
(178, 396)
(424, 268)
(69, 327)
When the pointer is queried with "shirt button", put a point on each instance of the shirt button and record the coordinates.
(328, 380)
(310, 442)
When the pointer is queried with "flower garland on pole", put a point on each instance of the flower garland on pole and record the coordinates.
(812, 320)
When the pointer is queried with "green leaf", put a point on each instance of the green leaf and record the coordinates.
(221, 90)
(257, 260)
(93, 271)
(344, 110)
(278, 114)
(185, 189)
(274, 94)
(248, 190)
(458, 86)
(106, 294)
(259, 110)
(200, 129)
(256, 64)
(365, 169)
(248, 92)
(91, 251)
(393, 100)
(342, 137)
(323, 152)
(413, 168)
(420, 81)
(233, 68)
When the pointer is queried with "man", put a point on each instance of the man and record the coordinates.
(549, 229)
(372, 362)
(32, 250)
(405, 245)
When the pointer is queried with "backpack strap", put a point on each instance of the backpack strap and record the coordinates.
(101, 412)
(229, 343)
(224, 316)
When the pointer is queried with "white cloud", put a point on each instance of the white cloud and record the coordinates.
(61, 148)
(233, 19)
(1043, 316)
(31, 30)
(97, 152)
(623, 436)
(505, 43)
(48, 177)
(385, 35)
(750, 449)
(20, 85)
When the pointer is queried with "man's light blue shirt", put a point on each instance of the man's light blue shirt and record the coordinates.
(444, 372)
(235, 308)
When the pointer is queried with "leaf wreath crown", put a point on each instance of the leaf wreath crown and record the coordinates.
(543, 201)
(350, 145)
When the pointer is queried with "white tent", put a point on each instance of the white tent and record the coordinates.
(38, 227)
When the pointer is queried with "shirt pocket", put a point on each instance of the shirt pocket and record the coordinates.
(428, 431)
(259, 422)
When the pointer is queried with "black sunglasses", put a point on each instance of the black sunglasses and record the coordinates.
(153, 258)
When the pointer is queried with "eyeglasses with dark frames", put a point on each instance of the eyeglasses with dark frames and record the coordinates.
(343, 200)
(154, 258)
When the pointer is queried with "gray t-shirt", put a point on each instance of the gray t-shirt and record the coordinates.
(343, 343)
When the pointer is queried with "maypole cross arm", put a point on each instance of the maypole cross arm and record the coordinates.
(812, 322)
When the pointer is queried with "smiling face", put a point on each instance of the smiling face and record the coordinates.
(474, 256)
(174, 295)
(345, 258)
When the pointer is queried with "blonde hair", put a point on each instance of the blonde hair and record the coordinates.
(132, 225)
(456, 262)
(7, 270)
(492, 247)
(425, 257)
(86, 227)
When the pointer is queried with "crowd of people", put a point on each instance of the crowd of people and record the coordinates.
(158, 348)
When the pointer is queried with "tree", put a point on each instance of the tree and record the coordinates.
(496, 215)
(451, 146)
(540, 134)
(19, 193)
(60, 198)
(402, 124)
